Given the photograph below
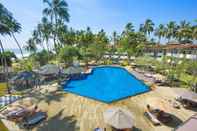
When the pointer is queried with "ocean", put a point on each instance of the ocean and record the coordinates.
(18, 53)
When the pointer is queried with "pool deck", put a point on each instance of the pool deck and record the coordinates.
(69, 112)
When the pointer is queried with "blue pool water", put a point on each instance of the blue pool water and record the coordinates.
(107, 84)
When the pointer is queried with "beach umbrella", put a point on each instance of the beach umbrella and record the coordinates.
(25, 75)
(73, 70)
(118, 118)
(188, 95)
(49, 69)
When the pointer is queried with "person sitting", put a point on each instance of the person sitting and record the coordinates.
(22, 113)
(149, 109)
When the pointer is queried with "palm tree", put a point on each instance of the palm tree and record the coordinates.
(15, 27)
(147, 27)
(7, 26)
(171, 30)
(128, 28)
(184, 31)
(160, 32)
(36, 36)
(31, 46)
(194, 34)
(57, 10)
(46, 28)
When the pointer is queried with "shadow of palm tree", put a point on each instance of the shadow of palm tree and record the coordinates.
(59, 123)
(192, 108)
(136, 129)
(133, 129)
(48, 97)
(175, 121)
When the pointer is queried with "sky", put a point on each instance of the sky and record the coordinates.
(110, 15)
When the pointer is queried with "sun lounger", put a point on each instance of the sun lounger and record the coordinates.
(35, 119)
(152, 118)
(148, 75)
(99, 129)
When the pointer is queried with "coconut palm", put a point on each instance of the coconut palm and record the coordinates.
(36, 36)
(171, 30)
(184, 32)
(194, 32)
(56, 10)
(148, 27)
(9, 25)
(46, 29)
(128, 28)
(31, 46)
(160, 32)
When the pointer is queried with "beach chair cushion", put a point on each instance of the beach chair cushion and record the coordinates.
(99, 129)
(36, 118)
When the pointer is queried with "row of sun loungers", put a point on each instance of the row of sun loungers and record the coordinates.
(25, 117)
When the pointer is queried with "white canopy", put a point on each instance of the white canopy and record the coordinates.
(118, 118)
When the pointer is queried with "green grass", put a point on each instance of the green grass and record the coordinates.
(2, 92)
(3, 89)
(2, 127)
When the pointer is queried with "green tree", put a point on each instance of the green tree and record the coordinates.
(68, 54)
(171, 30)
(128, 28)
(57, 11)
(160, 32)
(46, 30)
(8, 26)
(42, 57)
(133, 44)
(8, 55)
(31, 46)
(148, 27)
(98, 48)
(184, 32)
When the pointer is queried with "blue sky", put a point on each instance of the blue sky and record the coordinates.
(110, 15)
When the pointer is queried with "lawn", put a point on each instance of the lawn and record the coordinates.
(3, 88)
(2, 92)
(2, 127)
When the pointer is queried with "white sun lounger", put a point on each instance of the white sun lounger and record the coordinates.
(152, 118)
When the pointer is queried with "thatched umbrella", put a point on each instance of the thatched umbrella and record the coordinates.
(49, 69)
(118, 118)
(73, 70)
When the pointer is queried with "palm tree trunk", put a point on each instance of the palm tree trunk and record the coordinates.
(5, 68)
(18, 44)
(55, 33)
(47, 45)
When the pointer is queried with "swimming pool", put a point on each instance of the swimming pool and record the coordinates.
(107, 84)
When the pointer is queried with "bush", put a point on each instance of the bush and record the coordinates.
(8, 55)
(42, 57)
(108, 62)
(125, 63)
(68, 54)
